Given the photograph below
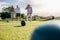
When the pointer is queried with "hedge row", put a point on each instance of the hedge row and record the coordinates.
(5, 15)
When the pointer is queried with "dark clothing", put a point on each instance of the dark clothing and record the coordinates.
(17, 14)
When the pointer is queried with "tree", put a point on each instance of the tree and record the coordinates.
(23, 16)
(6, 9)
(5, 13)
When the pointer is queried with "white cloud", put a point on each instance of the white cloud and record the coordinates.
(46, 7)
(3, 4)
(42, 7)
(20, 0)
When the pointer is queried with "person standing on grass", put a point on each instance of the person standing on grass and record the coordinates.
(17, 10)
(12, 12)
(29, 12)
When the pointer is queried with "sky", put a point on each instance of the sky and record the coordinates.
(40, 7)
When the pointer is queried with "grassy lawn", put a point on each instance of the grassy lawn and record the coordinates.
(13, 30)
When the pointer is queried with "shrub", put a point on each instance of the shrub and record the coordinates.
(5, 15)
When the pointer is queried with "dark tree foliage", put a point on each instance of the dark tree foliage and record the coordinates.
(5, 15)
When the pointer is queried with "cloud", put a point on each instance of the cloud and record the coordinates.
(3, 4)
(46, 7)
(40, 7)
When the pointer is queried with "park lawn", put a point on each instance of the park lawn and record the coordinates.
(13, 30)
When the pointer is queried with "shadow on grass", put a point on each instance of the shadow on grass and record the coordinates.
(18, 26)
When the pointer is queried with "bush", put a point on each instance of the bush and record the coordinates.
(23, 16)
(5, 15)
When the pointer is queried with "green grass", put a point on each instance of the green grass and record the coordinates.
(13, 30)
